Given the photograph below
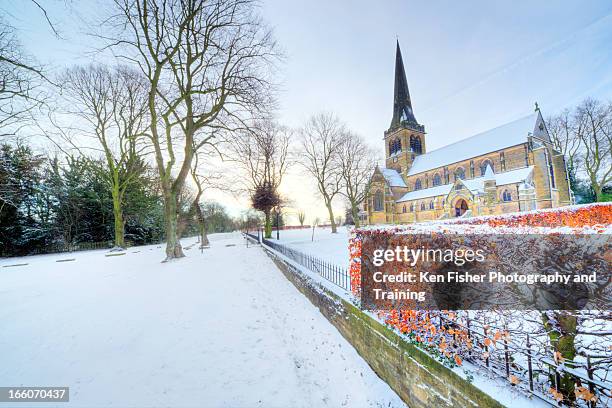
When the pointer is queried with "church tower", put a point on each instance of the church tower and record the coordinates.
(405, 138)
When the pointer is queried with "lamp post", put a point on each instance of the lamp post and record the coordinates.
(277, 225)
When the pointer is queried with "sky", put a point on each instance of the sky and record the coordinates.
(471, 66)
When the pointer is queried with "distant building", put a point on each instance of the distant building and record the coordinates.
(513, 167)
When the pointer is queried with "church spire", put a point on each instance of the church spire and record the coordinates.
(402, 105)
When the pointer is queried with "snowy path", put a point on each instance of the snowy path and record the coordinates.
(219, 329)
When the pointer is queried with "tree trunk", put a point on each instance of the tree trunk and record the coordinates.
(118, 216)
(598, 191)
(268, 225)
(201, 226)
(331, 216)
(355, 212)
(562, 334)
(173, 243)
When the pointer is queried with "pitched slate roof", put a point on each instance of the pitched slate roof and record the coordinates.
(393, 177)
(501, 137)
(475, 185)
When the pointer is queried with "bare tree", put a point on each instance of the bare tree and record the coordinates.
(21, 77)
(301, 217)
(202, 181)
(357, 162)
(112, 104)
(594, 129)
(20, 81)
(207, 64)
(321, 142)
(562, 129)
(199, 181)
(263, 155)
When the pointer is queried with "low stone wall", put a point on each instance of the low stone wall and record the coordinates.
(420, 380)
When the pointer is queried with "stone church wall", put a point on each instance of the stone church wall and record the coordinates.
(540, 178)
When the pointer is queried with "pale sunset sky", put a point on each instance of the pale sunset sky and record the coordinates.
(471, 66)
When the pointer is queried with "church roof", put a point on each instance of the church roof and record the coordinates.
(499, 138)
(475, 185)
(513, 176)
(393, 177)
(442, 190)
(489, 173)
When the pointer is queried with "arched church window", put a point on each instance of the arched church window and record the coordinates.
(404, 208)
(437, 180)
(459, 173)
(378, 201)
(398, 145)
(391, 147)
(472, 168)
(431, 205)
(506, 196)
(411, 207)
(417, 184)
(415, 144)
(483, 166)
(422, 206)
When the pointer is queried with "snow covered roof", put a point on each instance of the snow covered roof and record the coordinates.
(501, 137)
(513, 176)
(474, 185)
(393, 177)
(489, 173)
(427, 192)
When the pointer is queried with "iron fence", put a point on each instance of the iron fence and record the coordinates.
(337, 275)
(251, 236)
(73, 247)
(527, 366)
(520, 361)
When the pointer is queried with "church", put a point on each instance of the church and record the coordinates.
(513, 167)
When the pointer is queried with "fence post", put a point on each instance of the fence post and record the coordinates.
(469, 334)
(557, 382)
(506, 354)
(590, 375)
(529, 366)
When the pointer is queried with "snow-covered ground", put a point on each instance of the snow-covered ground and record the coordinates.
(222, 328)
(325, 245)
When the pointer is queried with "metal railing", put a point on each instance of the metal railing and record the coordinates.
(251, 236)
(57, 248)
(526, 366)
(522, 363)
(337, 275)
